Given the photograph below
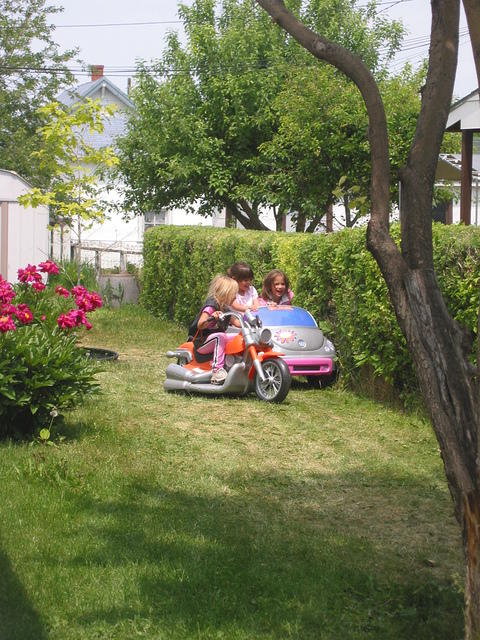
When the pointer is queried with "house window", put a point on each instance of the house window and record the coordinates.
(153, 219)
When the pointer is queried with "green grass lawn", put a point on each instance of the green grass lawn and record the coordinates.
(178, 517)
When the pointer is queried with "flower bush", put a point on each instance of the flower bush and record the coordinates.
(42, 369)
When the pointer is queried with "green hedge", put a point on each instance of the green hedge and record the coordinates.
(333, 276)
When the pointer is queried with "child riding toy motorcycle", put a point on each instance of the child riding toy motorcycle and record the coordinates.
(249, 362)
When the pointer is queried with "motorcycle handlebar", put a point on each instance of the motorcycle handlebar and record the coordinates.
(248, 315)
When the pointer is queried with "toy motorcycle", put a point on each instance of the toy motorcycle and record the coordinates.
(249, 361)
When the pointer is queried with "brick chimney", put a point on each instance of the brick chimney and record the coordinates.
(96, 71)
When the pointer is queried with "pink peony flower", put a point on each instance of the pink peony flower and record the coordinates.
(78, 290)
(80, 316)
(6, 291)
(8, 309)
(29, 274)
(88, 301)
(62, 291)
(95, 299)
(48, 267)
(24, 314)
(11, 316)
(66, 321)
(74, 318)
(6, 324)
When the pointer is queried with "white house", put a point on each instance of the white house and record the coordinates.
(464, 117)
(449, 171)
(122, 231)
(24, 234)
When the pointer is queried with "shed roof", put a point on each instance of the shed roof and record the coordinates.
(15, 175)
(465, 114)
(447, 170)
(12, 185)
(449, 167)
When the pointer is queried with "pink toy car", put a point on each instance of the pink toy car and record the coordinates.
(305, 349)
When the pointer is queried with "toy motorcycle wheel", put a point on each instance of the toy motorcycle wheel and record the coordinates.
(277, 381)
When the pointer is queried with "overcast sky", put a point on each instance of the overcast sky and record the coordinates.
(99, 29)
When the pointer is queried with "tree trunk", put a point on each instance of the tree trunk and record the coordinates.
(472, 12)
(301, 222)
(348, 213)
(313, 224)
(279, 218)
(246, 214)
(449, 384)
(329, 217)
(471, 546)
(229, 218)
(439, 347)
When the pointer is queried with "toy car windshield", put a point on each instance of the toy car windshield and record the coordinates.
(285, 316)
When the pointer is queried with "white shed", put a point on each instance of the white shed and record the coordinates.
(24, 234)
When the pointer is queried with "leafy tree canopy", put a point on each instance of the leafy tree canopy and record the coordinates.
(76, 165)
(320, 153)
(32, 71)
(211, 113)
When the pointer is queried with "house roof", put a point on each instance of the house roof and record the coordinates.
(449, 167)
(89, 89)
(108, 93)
(447, 170)
(465, 114)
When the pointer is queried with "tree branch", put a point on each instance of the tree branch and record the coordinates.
(472, 11)
(422, 162)
(353, 67)
(249, 222)
(378, 238)
(314, 222)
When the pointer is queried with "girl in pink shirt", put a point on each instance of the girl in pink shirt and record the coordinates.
(247, 295)
(210, 331)
(276, 289)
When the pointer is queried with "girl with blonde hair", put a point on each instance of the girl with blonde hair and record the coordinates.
(209, 332)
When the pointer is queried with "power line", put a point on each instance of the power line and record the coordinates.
(379, 4)
(400, 62)
(392, 3)
(117, 24)
(410, 44)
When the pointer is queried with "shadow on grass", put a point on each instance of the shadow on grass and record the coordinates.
(239, 566)
(18, 618)
(71, 430)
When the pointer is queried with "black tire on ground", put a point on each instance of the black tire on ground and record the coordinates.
(277, 383)
(94, 353)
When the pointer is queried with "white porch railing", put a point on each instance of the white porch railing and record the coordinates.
(96, 252)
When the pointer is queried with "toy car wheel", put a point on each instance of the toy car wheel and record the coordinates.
(182, 361)
(277, 381)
